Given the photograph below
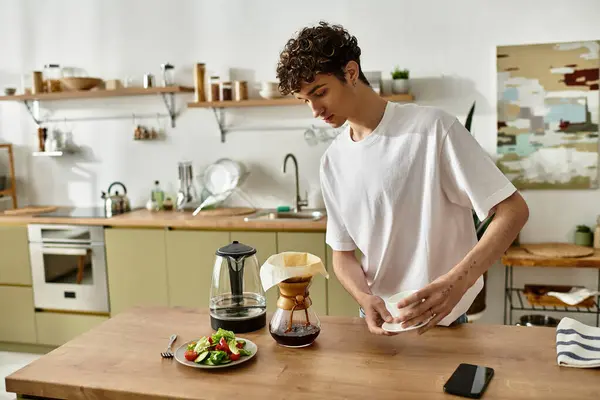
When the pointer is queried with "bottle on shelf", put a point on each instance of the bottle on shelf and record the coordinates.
(158, 195)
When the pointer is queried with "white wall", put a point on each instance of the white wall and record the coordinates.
(448, 46)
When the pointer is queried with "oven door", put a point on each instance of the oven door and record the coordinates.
(69, 277)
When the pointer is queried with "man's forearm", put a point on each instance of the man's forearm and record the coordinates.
(351, 275)
(511, 215)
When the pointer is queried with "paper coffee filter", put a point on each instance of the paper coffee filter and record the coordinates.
(290, 264)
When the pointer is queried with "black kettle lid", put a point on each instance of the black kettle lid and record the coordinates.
(236, 249)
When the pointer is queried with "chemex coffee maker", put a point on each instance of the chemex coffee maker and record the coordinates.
(294, 323)
(237, 299)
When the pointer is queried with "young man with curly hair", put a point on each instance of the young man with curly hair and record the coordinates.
(399, 183)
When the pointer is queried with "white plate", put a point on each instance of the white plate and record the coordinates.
(398, 327)
(180, 355)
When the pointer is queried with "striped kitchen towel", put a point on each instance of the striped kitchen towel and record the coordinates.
(577, 344)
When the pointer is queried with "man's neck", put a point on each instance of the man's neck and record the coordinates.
(368, 114)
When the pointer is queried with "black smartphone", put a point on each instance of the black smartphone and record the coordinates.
(469, 380)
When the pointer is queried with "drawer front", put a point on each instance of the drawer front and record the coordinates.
(17, 323)
(55, 329)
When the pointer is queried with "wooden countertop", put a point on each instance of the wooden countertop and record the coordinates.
(519, 257)
(173, 219)
(120, 359)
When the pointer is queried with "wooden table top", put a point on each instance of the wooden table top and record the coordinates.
(120, 359)
(519, 257)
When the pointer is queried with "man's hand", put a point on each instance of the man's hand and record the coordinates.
(436, 300)
(376, 314)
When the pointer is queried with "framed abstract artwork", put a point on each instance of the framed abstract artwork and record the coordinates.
(548, 114)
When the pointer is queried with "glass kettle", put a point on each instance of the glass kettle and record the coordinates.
(237, 299)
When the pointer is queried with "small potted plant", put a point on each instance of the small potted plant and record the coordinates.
(400, 80)
(584, 236)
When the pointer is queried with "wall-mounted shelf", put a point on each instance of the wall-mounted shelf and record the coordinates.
(98, 94)
(219, 106)
(285, 101)
(167, 93)
(48, 153)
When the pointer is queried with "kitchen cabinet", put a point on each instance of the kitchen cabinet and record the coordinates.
(17, 323)
(265, 244)
(56, 329)
(137, 268)
(313, 243)
(190, 262)
(339, 301)
(14, 256)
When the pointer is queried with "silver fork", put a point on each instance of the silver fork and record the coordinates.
(169, 352)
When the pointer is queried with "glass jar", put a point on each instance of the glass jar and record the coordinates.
(241, 90)
(215, 89)
(168, 72)
(294, 323)
(52, 77)
(226, 91)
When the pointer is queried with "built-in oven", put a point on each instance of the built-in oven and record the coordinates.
(68, 266)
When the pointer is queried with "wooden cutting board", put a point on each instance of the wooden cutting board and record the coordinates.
(226, 212)
(30, 210)
(558, 250)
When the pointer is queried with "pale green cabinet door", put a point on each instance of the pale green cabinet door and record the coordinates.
(56, 329)
(339, 301)
(190, 261)
(14, 256)
(137, 268)
(265, 244)
(313, 243)
(17, 322)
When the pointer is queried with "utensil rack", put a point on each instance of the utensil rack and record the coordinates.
(12, 191)
(514, 297)
(218, 108)
(31, 102)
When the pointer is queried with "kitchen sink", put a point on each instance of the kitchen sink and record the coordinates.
(274, 215)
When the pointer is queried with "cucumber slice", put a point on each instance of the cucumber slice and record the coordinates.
(201, 357)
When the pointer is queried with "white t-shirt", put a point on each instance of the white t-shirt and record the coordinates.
(404, 197)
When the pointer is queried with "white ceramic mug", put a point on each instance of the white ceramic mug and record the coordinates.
(391, 303)
(270, 87)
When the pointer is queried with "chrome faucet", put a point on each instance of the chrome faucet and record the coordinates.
(299, 202)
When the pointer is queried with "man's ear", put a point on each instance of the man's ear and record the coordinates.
(352, 72)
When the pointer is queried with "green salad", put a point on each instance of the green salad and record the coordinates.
(220, 348)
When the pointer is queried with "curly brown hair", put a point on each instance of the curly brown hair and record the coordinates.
(320, 49)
